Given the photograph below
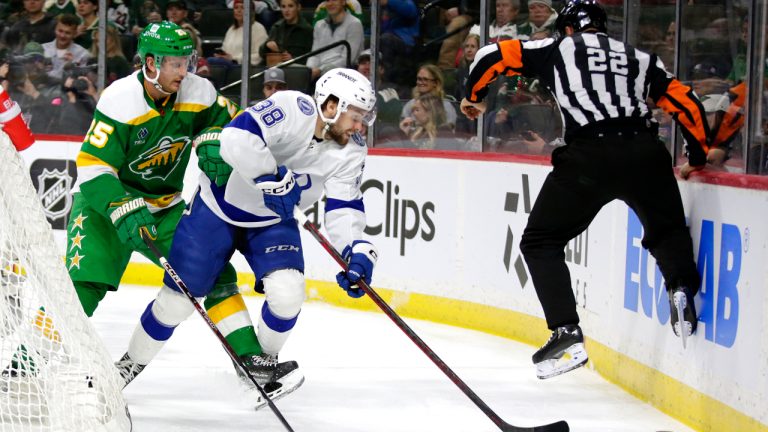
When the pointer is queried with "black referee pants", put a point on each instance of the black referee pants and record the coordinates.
(591, 171)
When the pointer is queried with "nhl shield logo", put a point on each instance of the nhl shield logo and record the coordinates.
(53, 190)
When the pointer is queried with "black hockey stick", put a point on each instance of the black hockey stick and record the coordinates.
(560, 426)
(227, 347)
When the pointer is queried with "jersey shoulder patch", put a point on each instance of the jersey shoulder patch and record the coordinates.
(123, 100)
(305, 105)
(291, 100)
(358, 139)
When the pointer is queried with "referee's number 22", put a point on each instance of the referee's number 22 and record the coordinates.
(598, 62)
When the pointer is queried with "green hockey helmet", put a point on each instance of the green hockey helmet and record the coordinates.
(164, 39)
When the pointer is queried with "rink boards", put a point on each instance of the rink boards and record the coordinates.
(448, 230)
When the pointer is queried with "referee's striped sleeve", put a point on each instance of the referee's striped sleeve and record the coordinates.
(680, 101)
(733, 119)
(503, 58)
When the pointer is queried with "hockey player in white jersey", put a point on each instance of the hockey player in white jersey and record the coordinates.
(282, 152)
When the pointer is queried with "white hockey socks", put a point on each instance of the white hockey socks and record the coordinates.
(285, 293)
(157, 324)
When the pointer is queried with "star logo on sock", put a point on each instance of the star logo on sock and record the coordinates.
(75, 260)
(79, 221)
(77, 241)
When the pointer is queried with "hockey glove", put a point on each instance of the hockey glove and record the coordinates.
(128, 215)
(361, 257)
(281, 194)
(210, 162)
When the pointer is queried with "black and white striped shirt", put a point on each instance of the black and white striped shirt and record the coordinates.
(594, 78)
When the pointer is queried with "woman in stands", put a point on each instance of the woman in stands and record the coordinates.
(290, 37)
(231, 51)
(429, 80)
(117, 64)
(427, 127)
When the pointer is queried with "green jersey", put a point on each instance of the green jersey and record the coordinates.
(58, 7)
(145, 145)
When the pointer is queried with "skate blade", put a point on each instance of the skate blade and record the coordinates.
(681, 301)
(577, 357)
(289, 384)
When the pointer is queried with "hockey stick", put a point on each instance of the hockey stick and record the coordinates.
(560, 426)
(227, 347)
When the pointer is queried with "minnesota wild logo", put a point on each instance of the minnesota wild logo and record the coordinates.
(160, 161)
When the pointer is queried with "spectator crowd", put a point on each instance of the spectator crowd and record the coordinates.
(48, 52)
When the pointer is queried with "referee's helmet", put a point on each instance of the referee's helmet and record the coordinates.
(582, 15)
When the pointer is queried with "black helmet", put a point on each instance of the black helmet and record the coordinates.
(582, 15)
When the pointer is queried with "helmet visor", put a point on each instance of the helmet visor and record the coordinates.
(360, 115)
(179, 63)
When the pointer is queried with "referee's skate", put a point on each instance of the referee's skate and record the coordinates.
(565, 340)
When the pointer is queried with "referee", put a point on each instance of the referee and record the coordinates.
(612, 152)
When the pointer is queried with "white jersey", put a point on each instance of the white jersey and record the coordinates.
(280, 131)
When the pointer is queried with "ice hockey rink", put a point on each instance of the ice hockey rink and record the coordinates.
(363, 375)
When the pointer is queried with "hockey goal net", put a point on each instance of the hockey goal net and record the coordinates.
(55, 373)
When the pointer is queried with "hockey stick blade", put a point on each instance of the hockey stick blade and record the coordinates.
(560, 426)
(227, 347)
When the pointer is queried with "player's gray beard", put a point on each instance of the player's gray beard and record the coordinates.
(337, 135)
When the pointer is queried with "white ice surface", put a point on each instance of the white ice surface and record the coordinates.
(362, 375)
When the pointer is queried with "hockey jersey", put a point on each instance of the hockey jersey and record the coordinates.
(146, 145)
(280, 131)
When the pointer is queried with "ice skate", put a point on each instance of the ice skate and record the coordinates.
(128, 368)
(277, 379)
(681, 304)
(568, 340)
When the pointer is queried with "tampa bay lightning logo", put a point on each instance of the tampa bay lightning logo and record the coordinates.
(358, 139)
(305, 106)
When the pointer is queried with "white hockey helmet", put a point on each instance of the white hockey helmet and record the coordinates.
(352, 88)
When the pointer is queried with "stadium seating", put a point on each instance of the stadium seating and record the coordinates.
(213, 25)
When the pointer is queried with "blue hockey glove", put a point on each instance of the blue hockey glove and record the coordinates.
(361, 257)
(281, 194)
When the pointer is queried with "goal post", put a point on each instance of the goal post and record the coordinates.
(55, 373)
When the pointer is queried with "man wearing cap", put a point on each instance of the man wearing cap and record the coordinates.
(63, 50)
(274, 81)
(541, 21)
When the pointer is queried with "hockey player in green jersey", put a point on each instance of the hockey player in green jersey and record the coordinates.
(130, 175)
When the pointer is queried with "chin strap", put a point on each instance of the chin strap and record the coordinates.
(326, 128)
(153, 81)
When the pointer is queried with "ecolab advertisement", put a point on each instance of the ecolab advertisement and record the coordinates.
(452, 228)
